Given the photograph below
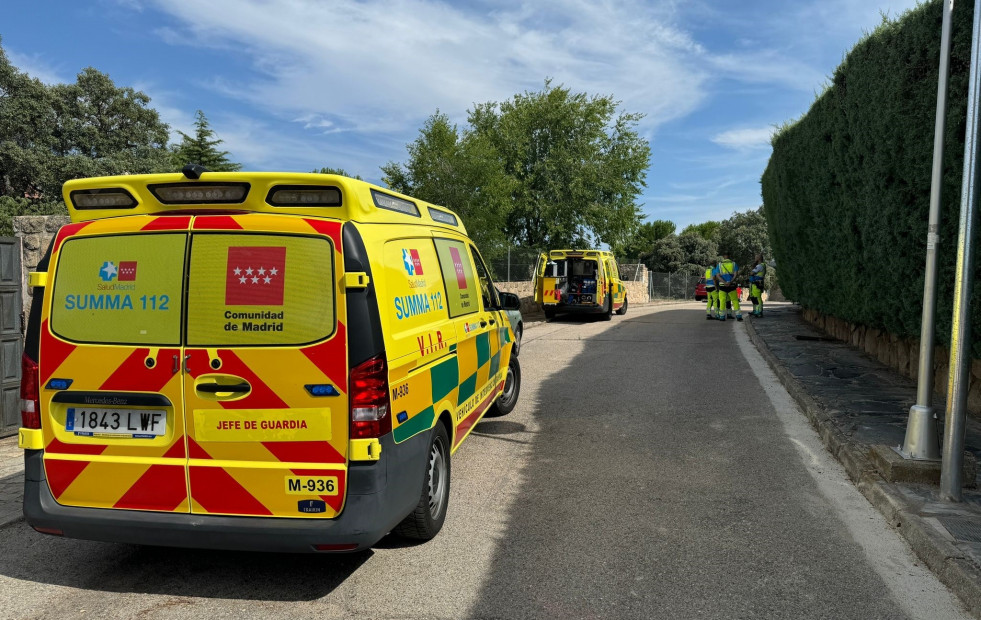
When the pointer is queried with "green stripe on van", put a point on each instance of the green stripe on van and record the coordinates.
(445, 377)
(483, 348)
(467, 388)
(416, 424)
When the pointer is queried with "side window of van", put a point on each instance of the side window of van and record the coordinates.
(461, 285)
(487, 291)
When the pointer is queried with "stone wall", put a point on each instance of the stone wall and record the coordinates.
(900, 354)
(35, 233)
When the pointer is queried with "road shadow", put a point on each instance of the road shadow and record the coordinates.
(659, 483)
(113, 568)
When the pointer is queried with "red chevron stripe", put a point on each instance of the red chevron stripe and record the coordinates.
(261, 396)
(58, 447)
(303, 451)
(60, 474)
(161, 487)
(67, 231)
(216, 222)
(217, 492)
(329, 357)
(195, 450)
(326, 227)
(174, 222)
(54, 352)
(133, 375)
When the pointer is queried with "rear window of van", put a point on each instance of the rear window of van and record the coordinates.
(259, 289)
(121, 289)
(242, 290)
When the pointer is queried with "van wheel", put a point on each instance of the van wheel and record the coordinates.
(426, 520)
(608, 314)
(517, 340)
(623, 309)
(549, 313)
(512, 387)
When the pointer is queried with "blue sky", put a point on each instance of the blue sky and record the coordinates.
(300, 84)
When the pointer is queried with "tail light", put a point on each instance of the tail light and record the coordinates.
(30, 393)
(369, 399)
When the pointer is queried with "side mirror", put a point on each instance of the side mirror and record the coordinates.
(510, 301)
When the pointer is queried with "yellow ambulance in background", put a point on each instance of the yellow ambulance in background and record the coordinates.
(267, 361)
(579, 281)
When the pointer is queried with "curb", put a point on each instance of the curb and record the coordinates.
(940, 555)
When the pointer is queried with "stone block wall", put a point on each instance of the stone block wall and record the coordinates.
(35, 233)
(900, 354)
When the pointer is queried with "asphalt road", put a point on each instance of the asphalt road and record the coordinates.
(652, 469)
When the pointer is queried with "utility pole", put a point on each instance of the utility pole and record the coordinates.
(960, 333)
(921, 441)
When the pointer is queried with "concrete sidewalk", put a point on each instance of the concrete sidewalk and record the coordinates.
(856, 403)
(11, 481)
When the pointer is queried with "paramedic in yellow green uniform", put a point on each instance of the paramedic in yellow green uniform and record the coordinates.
(756, 279)
(726, 287)
(710, 293)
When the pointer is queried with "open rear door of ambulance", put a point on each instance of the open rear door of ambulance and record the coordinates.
(109, 365)
(266, 367)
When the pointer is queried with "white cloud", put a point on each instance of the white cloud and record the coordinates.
(36, 67)
(745, 139)
(377, 65)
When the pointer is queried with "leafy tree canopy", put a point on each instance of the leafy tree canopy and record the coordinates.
(743, 236)
(341, 171)
(202, 149)
(706, 230)
(641, 243)
(548, 168)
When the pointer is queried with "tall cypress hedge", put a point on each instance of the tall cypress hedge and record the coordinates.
(846, 192)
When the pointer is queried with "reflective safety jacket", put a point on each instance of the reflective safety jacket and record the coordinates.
(726, 270)
(709, 275)
(758, 273)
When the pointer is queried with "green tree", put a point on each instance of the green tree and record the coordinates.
(743, 236)
(578, 165)
(202, 149)
(461, 171)
(706, 230)
(340, 171)
(666, 255)
(698, 251)
(641, 243)
(549, 168)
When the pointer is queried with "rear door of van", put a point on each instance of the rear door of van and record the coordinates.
(266, 367)
(109, 365)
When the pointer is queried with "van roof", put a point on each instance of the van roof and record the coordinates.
(579, 253)
(307, 194)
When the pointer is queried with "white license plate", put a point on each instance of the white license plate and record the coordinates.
(137, 423)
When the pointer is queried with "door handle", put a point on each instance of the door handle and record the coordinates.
(214, 388)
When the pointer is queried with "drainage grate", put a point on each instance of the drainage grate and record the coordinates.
(964, 529)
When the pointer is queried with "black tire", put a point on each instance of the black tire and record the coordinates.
(506, 402)
(517, 340)
(623, 309)
(549, 313)
(426, 520)
(608, 314)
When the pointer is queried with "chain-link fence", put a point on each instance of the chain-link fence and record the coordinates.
(676, 285)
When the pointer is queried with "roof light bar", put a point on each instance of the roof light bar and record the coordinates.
(199, 193)
(394, 203)
(102, 198)
(304, 196)
(442, 217)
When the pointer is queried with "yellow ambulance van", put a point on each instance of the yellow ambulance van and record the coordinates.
(581, 281)
(265, 361)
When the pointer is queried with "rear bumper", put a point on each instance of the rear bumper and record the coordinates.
(577, 308)
(380, 495)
